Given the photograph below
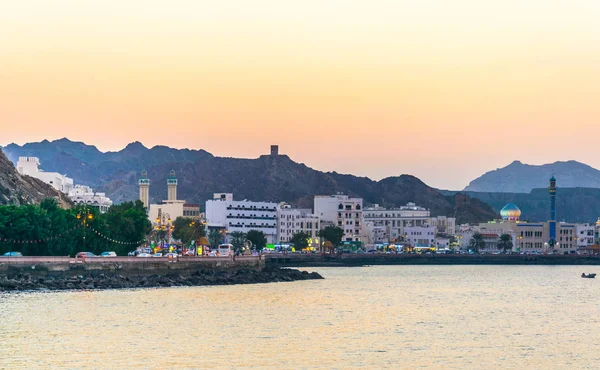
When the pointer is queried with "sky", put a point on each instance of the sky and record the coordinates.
(443, 90)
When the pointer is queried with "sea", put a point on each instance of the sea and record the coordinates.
(380, 317)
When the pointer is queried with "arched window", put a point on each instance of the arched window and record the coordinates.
(341, 206)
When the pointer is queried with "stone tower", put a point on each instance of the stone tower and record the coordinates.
(145, 189)
(552, 221)
(172, 186)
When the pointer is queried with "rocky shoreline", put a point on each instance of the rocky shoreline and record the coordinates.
(26, 282)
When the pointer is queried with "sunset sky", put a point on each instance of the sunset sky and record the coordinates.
(443, 90)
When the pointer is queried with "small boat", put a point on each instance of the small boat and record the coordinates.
(588, 276)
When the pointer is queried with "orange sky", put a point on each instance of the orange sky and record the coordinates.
(443, 90)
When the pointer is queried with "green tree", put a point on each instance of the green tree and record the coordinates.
(333, 234)
(505, 243)
(300, 240)
(238, 239)
(477, 242)
(258, 239)
(215, 237)
(186, 230)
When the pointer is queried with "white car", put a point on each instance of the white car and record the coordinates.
(144, 255)
(157, 255)
(108, 254)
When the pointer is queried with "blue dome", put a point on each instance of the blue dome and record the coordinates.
(510, 212)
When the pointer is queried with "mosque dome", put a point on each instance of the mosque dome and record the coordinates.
(510, 212)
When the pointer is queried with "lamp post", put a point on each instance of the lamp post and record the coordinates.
(85, 216)
(163, 223)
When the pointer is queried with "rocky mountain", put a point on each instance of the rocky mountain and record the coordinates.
(200, 174)
(17, 189)
(522, 178)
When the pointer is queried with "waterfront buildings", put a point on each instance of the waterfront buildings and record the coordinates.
(344, 212)
(171, 208)
(243, 215)
(420, 236)
(390, 225)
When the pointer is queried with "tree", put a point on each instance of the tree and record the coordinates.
(258, 239)
(477, 242)
(238, 239)
(505, 243)
(332, 234)
(186, 230)
(215, 237)
(300, 240)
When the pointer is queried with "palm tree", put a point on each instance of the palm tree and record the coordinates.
(238, 239)
(505, 243)
(477, 242)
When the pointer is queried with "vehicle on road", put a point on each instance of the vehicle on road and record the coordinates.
(157, 255)
(225, 250)
(108, 254)
(85, 255)
(172, 255)
(12, 254)
(144, 255)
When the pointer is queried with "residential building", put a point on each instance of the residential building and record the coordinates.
(243, 215)
(344, 212)
(191, 210)
(293, 220)
(586, 235)
(420, 236)
(81, 194)
(30, 166)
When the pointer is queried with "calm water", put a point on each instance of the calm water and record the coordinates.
(450, 317)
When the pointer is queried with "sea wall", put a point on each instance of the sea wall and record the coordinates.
(315, 260)
(124, 266)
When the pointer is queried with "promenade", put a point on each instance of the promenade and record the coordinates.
(129, 266)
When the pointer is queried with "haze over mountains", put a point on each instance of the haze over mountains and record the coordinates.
(518, 177)
(200, 174)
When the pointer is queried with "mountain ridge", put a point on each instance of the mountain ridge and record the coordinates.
(200, 174)
(518, 177)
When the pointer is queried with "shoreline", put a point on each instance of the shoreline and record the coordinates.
(25, 282)
(355, 260)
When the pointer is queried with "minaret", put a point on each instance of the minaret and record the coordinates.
(145, 189)
(172, 186)
(552, 221)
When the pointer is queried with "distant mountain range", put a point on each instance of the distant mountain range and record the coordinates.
(17, 189)
(522, 178)
(200, 174)
(572, 204)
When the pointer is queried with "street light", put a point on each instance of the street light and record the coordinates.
(85, 216)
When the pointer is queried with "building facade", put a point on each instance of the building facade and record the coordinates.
(84, 195)
(291, 221)
(344, 212)
(242, 216)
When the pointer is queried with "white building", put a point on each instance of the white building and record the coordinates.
(389, 225)
(244, 215)
(29, 166)
(586, 235)
(293, 220)
(81, 194)
(420, 236)
(345, 212)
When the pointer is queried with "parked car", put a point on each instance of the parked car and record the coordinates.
(157, 255)
(108, 254)
(85, 255)
(172, 255)
(12, 254)
(144, 255)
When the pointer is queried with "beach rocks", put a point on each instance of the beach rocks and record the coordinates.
(25, 282)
